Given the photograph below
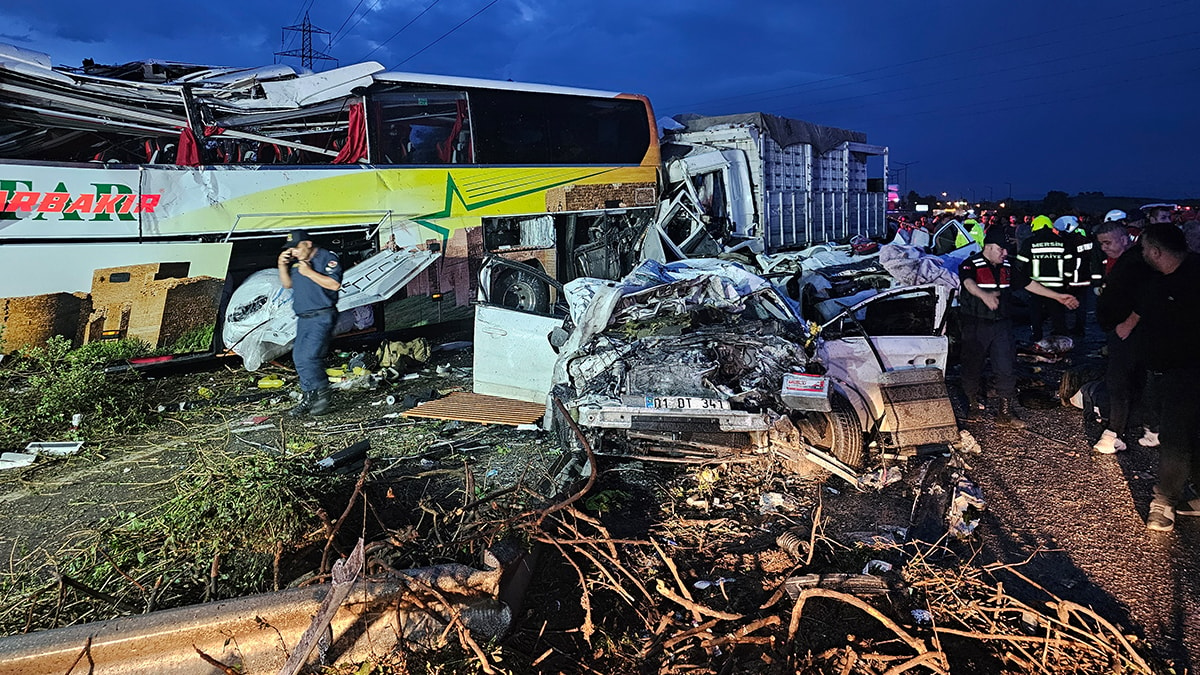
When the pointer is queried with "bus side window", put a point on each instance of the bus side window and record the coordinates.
(420, 127)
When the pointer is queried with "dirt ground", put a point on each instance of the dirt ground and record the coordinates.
(1074, 516)
(1084, 514)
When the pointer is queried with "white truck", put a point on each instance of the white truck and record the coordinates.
(759, 183)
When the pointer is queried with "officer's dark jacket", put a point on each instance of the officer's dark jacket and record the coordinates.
(1001, 278)
(307, 295)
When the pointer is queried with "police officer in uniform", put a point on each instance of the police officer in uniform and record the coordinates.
(315, 277)
(988, 280)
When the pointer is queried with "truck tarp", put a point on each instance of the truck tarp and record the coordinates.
(785, 131)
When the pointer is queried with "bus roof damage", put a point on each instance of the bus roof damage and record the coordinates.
(144, 112)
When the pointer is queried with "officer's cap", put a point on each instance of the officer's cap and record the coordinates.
(996, 236)
(295, 237)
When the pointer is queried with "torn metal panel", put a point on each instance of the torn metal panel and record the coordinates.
(513, 356)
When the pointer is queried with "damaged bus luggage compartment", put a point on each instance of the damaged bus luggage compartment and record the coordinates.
(700, 359)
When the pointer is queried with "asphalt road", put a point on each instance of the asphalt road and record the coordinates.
(1047, 489)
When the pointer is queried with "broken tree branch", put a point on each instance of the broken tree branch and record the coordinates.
(87, 651)
(215, 663)
(695, 606)
(358, 487)
(853, 602)
(678, 581)
(346, 574)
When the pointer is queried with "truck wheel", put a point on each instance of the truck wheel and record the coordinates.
(836, 432)
(522, 291)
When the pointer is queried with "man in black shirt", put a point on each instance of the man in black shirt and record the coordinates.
(1125, 370)
(1168, 317)
(986, 312)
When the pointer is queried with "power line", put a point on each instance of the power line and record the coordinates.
(305, 5)
(447, 33)
(348, 17)
(393, 37)
(804, 86)
(359, 19)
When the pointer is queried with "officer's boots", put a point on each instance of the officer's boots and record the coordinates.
(1007, 417)
(303, 406)
(975, 409)
(320, 402)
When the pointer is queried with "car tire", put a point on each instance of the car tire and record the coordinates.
(521, 291)
(836, 432)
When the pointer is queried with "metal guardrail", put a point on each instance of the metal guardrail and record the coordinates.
(252, 632)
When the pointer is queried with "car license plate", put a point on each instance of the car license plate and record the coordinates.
(686, 403)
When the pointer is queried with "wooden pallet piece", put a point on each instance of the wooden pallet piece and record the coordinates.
(466, 406)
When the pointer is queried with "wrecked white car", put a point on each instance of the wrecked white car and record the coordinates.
(699, 359)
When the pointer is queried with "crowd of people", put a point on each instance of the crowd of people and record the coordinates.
(1144, 275)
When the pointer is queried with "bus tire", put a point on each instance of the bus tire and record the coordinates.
(522, 291)
(836, 432)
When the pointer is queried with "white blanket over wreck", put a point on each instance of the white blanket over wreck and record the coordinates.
(911, 266)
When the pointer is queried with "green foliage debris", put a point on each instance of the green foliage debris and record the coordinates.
(46, 386)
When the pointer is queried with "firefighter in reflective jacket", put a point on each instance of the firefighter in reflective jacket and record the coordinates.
(988, 280)
(1047, 258)
(1085, 269)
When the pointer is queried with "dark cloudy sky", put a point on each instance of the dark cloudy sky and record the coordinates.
(1045, 95)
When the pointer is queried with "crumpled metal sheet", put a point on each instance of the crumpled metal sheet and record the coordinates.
(678, 298)
(744, 363)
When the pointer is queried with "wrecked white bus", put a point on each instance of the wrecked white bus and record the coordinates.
(137, 198)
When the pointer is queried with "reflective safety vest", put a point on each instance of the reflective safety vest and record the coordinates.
(1085, 271)
(1048, 259)
(986, 275)
(976, 231)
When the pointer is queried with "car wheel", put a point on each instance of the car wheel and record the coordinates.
(522, 291)
(836, 432)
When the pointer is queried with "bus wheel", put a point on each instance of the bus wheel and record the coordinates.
(522, 291)
(836, 432)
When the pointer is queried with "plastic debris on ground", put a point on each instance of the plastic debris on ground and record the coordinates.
(922, 616)
(270, 382)
(968, 442)
(54, 449)
(965, 504)
(877, 567)
(703, 583)
(775, 502)
(15, 460)
(881, 478)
